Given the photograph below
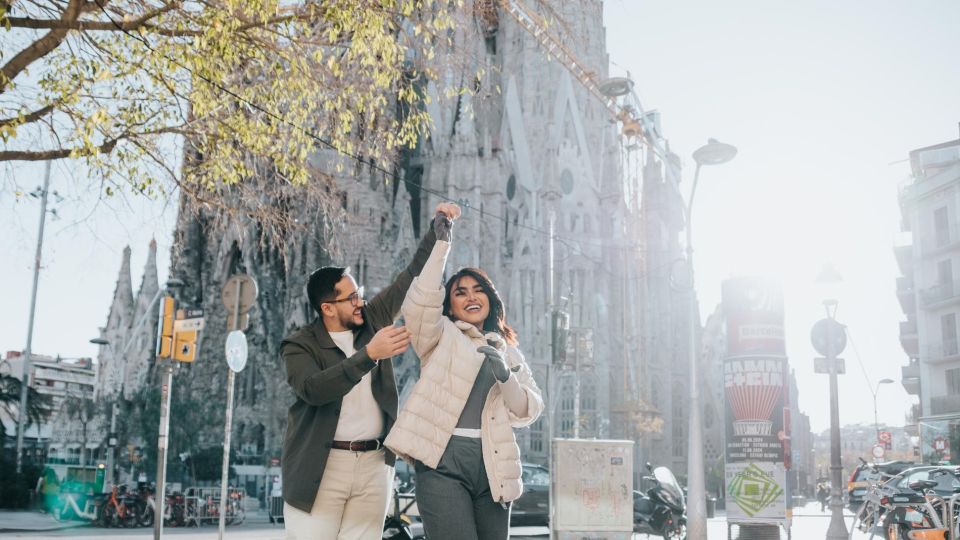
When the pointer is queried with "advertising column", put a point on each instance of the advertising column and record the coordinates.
(755, 376)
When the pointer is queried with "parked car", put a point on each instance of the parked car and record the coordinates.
(947, 484)
(864, 473)
(533, 507)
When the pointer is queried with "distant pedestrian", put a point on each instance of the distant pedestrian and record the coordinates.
(823, 495)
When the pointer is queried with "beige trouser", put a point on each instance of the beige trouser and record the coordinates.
(351, 502)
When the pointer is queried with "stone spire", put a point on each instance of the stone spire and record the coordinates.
(139, 353)
(149, 285)
(118, 324)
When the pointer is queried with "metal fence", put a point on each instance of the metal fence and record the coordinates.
(202, 506)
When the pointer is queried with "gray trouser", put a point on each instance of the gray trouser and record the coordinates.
(454, 499)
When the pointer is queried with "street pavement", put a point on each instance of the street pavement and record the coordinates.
(808, 523)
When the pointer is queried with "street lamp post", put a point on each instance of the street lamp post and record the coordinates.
(876, 423)
(172, 283)
(713, 153)
(833, 342)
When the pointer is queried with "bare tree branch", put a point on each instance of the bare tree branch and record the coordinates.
(39, 48)
(27, 118)
(140, 23)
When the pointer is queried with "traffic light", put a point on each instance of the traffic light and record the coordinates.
(165, 327)
(185, 345)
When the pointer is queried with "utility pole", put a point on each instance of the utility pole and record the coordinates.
(838, 528)
(576, 383)
(22, 416)
(162, 442)
(165, 343)
(550, 367)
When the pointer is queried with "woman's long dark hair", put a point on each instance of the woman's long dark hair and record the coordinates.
(496, 320)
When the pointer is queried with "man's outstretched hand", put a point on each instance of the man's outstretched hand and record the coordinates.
(451, 210)
(388, 342)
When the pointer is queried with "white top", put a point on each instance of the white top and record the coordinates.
(360, 415)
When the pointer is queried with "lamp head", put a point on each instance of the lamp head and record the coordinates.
(828, 281)
(714, 153)
(616, 86)
(99, 341)
(885, 381)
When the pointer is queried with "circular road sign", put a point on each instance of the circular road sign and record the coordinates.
(837, 333)
(236, 350)
(240, 285)
(878, 451)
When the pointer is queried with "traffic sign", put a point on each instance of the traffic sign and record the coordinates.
(239, 287)
(236, 350)
(244, 321)
(182, 325)
(837, 333)
(878, 451)
(822, 365)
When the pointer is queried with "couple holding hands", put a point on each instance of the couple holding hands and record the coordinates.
(344, 431)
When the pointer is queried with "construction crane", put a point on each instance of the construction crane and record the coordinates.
(634, 124)
(628, 111)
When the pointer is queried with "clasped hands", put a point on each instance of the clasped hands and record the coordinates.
(446, 213)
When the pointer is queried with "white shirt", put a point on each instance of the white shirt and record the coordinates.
(360, 416)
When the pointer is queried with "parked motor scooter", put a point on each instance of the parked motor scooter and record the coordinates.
(399, 525)
(662, 509)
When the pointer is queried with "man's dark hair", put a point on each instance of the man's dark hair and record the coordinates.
(322, 283)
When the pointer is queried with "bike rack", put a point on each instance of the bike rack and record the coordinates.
(202, 504)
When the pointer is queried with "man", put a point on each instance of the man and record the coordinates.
(336, 473)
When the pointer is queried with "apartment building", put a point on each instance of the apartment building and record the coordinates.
(929, 294)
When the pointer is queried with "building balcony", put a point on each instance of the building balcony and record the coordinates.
(904, 255)
(940, 294)
(945, 351)
(909, 339)
(949, 404)
(908, 301)
(910, 378)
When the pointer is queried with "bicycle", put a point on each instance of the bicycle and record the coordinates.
(921, 515)
(116, 512)
(871, 511)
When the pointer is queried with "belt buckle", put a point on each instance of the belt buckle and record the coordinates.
(350, 446)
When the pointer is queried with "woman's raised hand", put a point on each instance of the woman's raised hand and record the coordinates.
(442, 226)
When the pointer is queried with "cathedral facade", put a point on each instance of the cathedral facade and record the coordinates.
(562, 211)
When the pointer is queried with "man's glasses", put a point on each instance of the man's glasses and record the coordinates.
(354, 298)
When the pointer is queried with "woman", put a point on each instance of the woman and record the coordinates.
(474, 388)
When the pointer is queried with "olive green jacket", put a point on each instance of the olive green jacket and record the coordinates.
(320, 375)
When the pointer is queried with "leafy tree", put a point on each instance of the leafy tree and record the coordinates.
(38, 405)
(248, 90)
(83, 410)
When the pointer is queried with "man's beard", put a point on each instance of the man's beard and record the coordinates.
(350, 324)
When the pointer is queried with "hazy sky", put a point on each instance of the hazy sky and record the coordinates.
(823, 100)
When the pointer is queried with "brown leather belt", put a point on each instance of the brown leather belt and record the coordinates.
(357, 446)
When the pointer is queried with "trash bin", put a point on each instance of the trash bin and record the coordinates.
(711, 506)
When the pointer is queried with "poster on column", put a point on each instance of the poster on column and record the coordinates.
(755, 491)
(755, 375)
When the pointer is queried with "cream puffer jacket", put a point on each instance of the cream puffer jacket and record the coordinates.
(449, 363)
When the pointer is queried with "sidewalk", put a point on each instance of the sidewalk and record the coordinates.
(26, 520)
